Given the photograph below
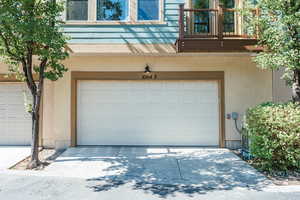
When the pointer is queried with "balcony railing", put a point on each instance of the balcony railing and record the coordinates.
(221, 24)
(211, 23)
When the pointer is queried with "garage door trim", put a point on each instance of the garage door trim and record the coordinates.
(191, 75)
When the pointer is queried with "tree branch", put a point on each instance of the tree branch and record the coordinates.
(29, 67)
(26, 76)
(14, 56)
(42, 68)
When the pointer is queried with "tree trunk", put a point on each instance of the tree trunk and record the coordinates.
(296, 86)
(34, 158)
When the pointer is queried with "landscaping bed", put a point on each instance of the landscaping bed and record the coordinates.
(46, 156)
(278, 178)
(271, 133)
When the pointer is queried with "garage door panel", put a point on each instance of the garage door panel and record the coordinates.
(148, 113)
(157, 123)
(157, 117)
(15, 123)
(148, 138)
(108, 110)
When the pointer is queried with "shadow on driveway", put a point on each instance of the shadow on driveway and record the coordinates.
(167, 171)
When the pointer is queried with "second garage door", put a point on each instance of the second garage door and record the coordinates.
(148, 113)
(15, 123)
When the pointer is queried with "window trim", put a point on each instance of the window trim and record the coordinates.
(132, 18)
(65, 13)
(112, 21)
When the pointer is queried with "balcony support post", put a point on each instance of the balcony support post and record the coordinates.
(220, 22)
(181, 21)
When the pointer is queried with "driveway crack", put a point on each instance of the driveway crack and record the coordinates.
(118, 152)
(179, 169)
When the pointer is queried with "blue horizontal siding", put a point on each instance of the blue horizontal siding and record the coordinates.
(124, 34)
(125, 41)
(119, 29)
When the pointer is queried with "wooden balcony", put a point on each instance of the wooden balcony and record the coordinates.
(213, 30)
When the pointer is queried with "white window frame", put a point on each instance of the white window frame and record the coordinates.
(64, 14)
(212, 5)
(161, 10)
(131, 19)
(112, 21)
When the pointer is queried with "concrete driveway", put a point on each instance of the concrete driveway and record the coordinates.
(10, 155)
(159, 171)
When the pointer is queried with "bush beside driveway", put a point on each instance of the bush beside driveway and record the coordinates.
(274, 131)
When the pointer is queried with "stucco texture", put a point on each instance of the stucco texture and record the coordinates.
(245, 86)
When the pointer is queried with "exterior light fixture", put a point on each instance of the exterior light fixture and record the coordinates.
(148, 74)
(147, 70)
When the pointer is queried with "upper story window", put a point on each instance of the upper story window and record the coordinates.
(201, 20)
(112, 10)
(77, 9)
(229, 17)
(148, 9)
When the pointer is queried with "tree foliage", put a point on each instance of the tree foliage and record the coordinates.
(33, 46)
(278, 30)
(32, 27)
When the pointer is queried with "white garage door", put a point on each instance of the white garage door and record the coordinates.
(15, 123)
(148, 113)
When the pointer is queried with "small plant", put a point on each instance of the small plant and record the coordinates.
(274, 132)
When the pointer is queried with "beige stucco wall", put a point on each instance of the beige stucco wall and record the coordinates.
(281, 92)
(245, 85)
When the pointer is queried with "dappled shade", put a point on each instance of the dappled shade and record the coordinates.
(161, 171)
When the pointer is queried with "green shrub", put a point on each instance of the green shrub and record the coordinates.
(274, 133)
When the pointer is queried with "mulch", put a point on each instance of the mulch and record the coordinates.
(278, 178)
